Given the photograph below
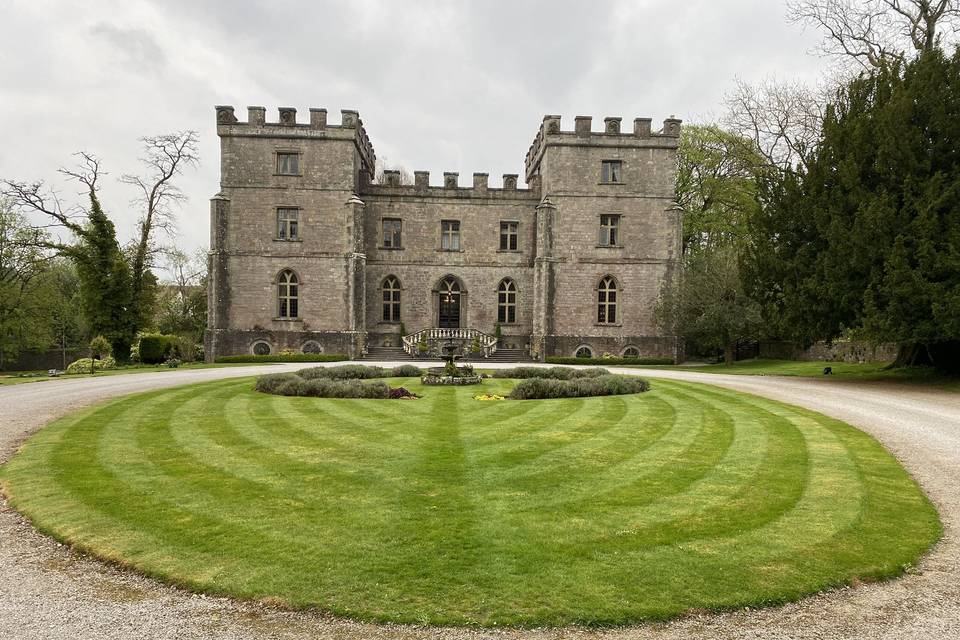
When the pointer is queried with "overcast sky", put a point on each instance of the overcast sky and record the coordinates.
(440, 86)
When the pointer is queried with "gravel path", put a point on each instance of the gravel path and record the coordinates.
(49, 591)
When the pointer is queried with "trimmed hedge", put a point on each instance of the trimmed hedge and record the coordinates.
(609, 361)
(157, 347)
(290, 384)
(604, 385)
(359, 372)
(555, 373)
(287, 357)
(83, 365)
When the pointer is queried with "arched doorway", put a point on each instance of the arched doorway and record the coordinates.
(449, 296)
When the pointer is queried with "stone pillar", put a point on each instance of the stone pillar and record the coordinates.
(218, 276)
(543, 280)
(356, 263)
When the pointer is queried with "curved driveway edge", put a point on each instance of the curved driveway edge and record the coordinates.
(49, 591)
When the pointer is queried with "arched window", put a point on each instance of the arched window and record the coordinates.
(288, 295)
(391, 299)
(507, 302)
(631, 352)
(607, 300)
(583, 352)
(261, 348)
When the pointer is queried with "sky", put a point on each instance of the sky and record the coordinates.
(440, 86)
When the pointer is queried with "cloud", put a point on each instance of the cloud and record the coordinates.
(137, 47)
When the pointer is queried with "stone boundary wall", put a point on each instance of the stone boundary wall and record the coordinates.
(845, 351)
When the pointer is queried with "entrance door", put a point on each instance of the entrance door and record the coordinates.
(449, 304)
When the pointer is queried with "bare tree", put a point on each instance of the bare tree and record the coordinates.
(166, 157)
(872, 32)
(781, 119)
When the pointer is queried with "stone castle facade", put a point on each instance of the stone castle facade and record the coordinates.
(309, 252)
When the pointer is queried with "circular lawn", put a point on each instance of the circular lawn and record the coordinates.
(451, 510)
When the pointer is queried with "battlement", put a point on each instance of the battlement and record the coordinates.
(551, 133)
(286, 125)
(391, 185)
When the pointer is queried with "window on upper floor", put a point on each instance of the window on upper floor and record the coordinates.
(288, 163)
(610, 170)
(288, 223)
(450, 235)
(609, 231)
(506, 302)
(508, 235)
(391, 233)
(607, 300)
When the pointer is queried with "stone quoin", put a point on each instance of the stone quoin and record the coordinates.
(311, 251)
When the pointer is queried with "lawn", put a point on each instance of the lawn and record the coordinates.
(450, 510)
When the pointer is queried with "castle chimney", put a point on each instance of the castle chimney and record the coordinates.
(256, 116)
(421, 179)
(480, 181)
(510, 181)
(318, 118)
(450, 179)
(641, 127)
(671, 126)
(551, 124)
(612, 125)
(582, 126)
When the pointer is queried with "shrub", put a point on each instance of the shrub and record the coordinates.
(276, 357)
(83, 365)
(557, 373)
(612, 361)
(173, 363)
(271, 382)
(400, 393)
(290, 384)
(156, 347)
(344, 372)
(603, 385)
(406, 371)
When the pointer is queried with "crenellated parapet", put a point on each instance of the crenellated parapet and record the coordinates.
(612, 135)
(391, 185)
(286, 126)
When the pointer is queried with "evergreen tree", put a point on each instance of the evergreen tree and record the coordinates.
(865, 238)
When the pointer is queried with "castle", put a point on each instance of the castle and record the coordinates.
(310, 252)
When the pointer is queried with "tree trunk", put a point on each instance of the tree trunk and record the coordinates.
(944, 356)
(729, 353)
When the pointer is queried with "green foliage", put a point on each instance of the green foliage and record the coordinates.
(406, 371)
(83, 365)
(497, 331)
(99, 347)
(344, 372)
(156, 348)
(865, 238)
(296, 384)
(276, 357)
(708, 307)
(558, 373)
(612, 361)
(536, 388)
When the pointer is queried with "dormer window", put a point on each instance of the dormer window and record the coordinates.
(610, 170)
(288, 163)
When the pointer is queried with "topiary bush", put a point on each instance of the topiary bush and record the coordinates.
(603, 385)
(156, 347)
(556, 373)
(406, 371)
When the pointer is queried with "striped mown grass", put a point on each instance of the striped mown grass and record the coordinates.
(448, 510)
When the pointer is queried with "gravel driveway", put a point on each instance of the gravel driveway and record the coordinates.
(48, 591)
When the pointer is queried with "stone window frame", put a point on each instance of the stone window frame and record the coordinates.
(383, 235)
(623, 352)
(256, 343)
(581, 347)
(287, 152)
(458, 235)
(279, 224)
(282, 283)
(504, 304)
(604, 229)
(515, 235)
(605, 303)
(611, 168)
(392, 309)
